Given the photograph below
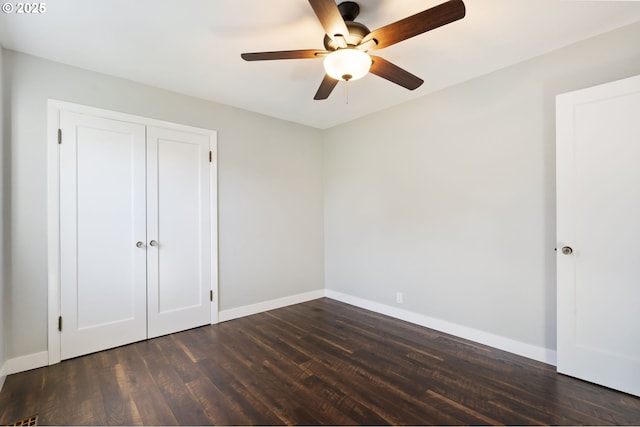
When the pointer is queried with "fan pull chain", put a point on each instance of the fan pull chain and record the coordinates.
(346, 91)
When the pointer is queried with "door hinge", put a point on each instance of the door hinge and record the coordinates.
(59, 136)
(210, 156)
(211, 295)
(60, 323)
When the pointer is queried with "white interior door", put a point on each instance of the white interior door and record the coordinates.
(102, 216)
(598, 202)
(179, 230)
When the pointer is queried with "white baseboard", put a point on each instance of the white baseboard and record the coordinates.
(502, 343)
(26, 363)
(3, 374)
(248, 310)
(38, 360)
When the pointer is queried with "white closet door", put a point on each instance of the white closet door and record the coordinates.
(102, 216)
(178, 231)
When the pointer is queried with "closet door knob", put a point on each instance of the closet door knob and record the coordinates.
(153, 243)
(567, 250)
(140, 244)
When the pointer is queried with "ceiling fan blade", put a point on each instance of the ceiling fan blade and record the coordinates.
(330, 18)
(368, 45)
(385, 69)
(283, 54)
(419, 23)
(326, 87)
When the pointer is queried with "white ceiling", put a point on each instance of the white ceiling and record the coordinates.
(193, 46)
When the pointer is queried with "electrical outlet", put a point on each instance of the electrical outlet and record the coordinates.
(399, 297)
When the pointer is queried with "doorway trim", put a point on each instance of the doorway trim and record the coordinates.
(54, 107)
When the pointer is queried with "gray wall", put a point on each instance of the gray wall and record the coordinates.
(450, 199)
(3, 170)
(269, 180)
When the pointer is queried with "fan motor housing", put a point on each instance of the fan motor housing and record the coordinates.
(357, 32)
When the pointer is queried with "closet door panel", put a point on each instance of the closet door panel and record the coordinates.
(102, 185)
(178, 223)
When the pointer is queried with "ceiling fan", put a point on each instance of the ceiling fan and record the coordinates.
(347, 43)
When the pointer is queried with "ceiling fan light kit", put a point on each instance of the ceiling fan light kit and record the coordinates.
(347, 43)
(347, 64)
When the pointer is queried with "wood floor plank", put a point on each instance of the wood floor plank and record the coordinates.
(185, 408)
(370, 390)
(321, 362)
(221, 373)
(140, 386)
(277, 390)
(285, 370)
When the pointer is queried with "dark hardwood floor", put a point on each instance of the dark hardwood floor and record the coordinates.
(321, 362)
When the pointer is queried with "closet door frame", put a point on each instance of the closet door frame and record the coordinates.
(54, 108)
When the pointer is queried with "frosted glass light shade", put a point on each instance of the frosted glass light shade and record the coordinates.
(347, 64)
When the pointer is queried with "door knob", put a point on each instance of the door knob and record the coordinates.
(153, 243)
(139, 244)
(567, 250)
